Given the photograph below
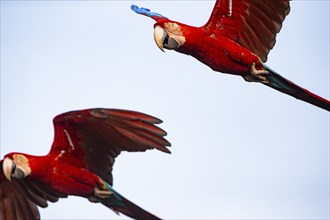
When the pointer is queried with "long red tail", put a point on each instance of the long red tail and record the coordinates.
(278, 82)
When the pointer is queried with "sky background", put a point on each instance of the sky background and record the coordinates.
(239, 150)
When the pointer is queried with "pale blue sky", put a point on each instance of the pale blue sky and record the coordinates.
(239, 150)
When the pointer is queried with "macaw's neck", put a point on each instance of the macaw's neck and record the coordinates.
(39, 165)
(194, 38)
(199, 45)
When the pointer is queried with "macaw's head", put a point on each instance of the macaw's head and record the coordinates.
(167, 33)
(16, 165)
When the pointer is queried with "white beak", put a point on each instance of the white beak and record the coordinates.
(7, 167)
(159, 36)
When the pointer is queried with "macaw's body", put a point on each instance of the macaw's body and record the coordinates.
(219, 60)
(236, 40)
(79, 163)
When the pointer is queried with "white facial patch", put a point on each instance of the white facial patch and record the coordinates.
(20, 160)
(173, 28)
(174, 31)
(22, 163)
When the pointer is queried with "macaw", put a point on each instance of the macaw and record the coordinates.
(236, 40)
(79, 163)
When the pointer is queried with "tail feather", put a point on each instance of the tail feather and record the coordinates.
(130, 209)
(120, 204)
(278, 82)
(134, 211)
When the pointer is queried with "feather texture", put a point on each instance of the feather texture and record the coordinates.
(252, 23)
(99, 135)
(89, 139)
(278, 82)
(19, 198)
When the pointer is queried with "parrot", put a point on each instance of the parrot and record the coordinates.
(235, 40)
(79, 163)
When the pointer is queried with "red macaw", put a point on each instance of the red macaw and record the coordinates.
(236, 40)
(79, 163)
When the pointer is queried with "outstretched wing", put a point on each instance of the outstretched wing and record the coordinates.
(251, 23)
(92, 138)
(19, 198)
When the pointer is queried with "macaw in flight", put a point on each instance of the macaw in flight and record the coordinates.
(236, 40)
(79, 163)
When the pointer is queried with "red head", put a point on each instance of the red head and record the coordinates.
(167, 34)
(16, 165)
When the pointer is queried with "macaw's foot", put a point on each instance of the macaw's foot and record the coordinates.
(100, 195)
(256, 75)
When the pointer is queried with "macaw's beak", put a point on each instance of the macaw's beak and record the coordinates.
(163, 40)
(11, 170)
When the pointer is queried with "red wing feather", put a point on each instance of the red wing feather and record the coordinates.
(19, 198)
(92, 138)
(251, 23)
(129, 115)
(14, 201)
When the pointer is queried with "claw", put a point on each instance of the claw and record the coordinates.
(256, 75)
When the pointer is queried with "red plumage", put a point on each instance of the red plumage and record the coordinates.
(236, 40)
(79, 163)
